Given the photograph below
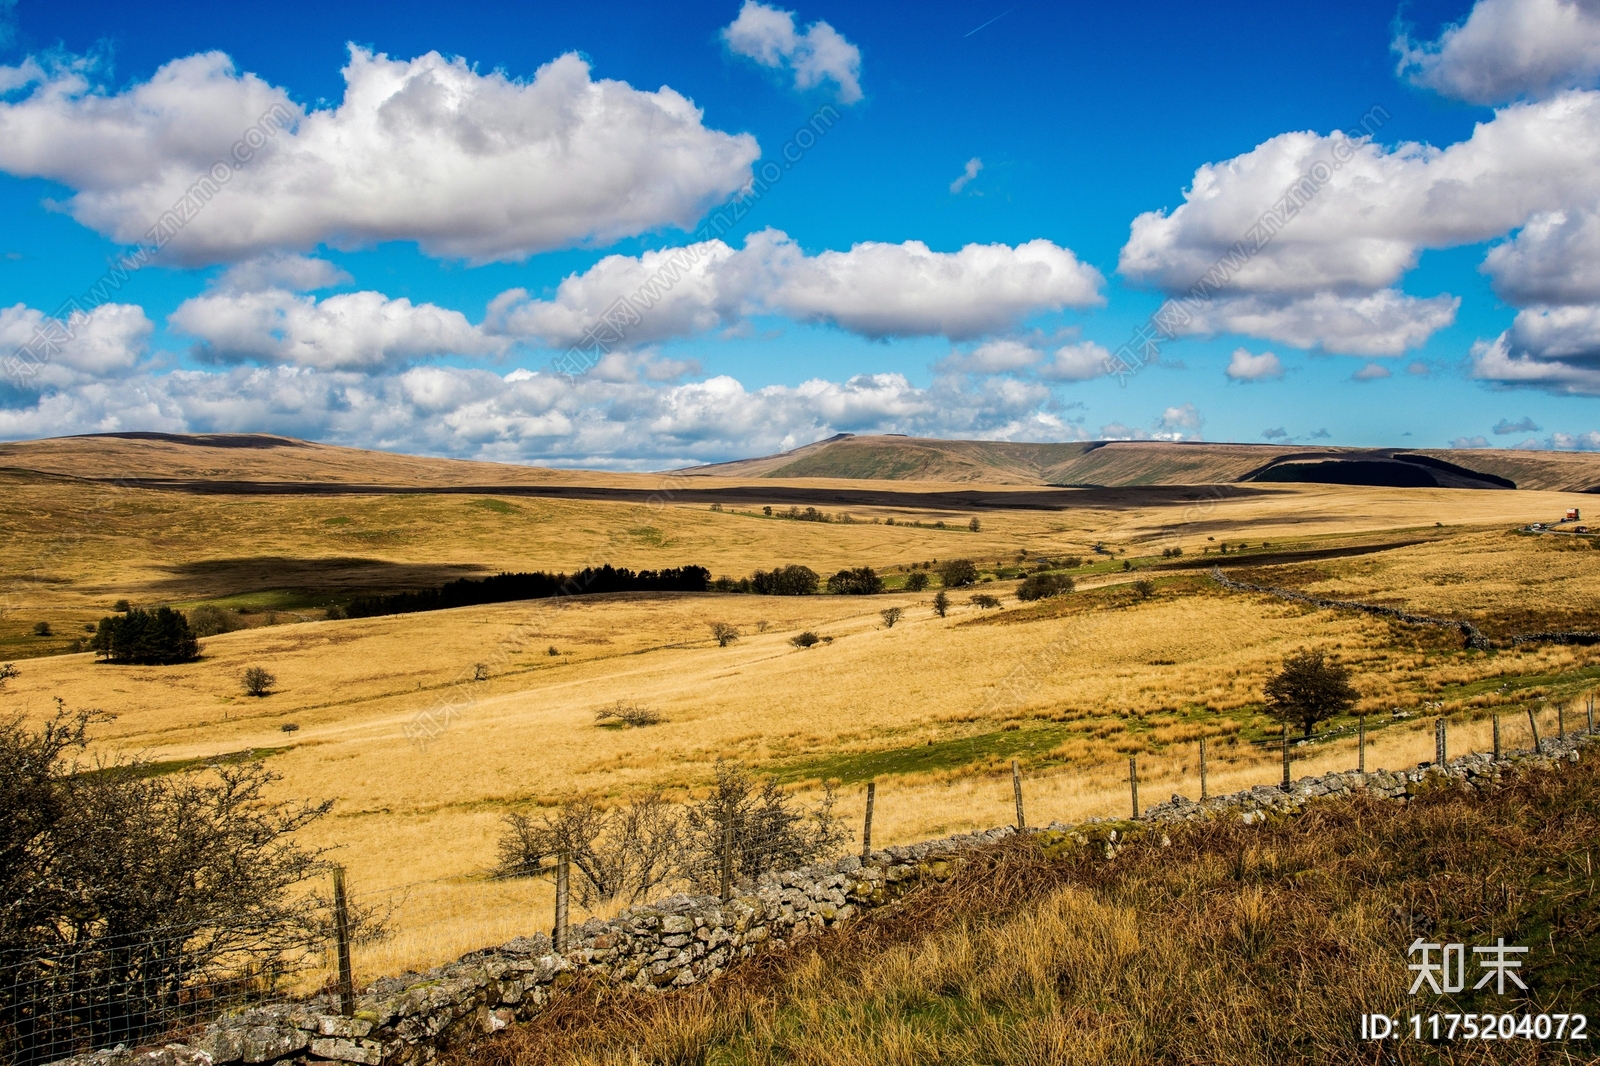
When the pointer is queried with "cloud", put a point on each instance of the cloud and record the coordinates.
(1242, 366)
(973, 166)
(875, 290)
(277, 270)
(1555, 259)
(360, 331)
(474, 166)
(1077, 362)
(526, 416)
(1278, 433)
(818, 54)
(1508, 49)
(1175, 423)
(1321, 434)
(1324, 272)
(1182, 417)
(1387, 322)
(1505, 363)
(992, 357)
(1470, 442)
(1576, 442)
(106, 342)
(1371, 372)
(1417, 368)
(1505, 426)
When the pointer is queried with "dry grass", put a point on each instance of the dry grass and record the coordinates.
(934, 707)
(1222, 945)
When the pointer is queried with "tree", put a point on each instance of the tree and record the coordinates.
(120, 887)
(148, 638)
(42, 629)
(890, 616)
(1309, 689)
(862, 581)
(1042, 586)
(792, 580)
(1144, 588)
(975, 525)
(208, 620)
(770, 831)
(723, 633)
(958, 573)
(941, 603)
(623, 853)
(257, 682)
(985, 601)
(916, 581)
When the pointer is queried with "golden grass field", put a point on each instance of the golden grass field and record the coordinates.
(423, 761)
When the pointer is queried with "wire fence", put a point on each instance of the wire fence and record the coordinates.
(153, 985)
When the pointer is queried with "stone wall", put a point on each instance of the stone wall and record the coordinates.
(682, 940)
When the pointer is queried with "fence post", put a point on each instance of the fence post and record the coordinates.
(1286, 782)
(1441, 751)
(866, 828)
(1533, 725)
(558, 935)
(1133, 782)
(1204, 795)
(1016, 789)
(341, 932)
(727, 862)
(1591, 714)
(1497, 738)
(1361, 744)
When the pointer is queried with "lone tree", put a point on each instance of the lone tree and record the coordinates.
(958, 573)
(723, 633)
(941, 603)
(916, 581)
(890, 616)
(1309, 689)
(257, 682)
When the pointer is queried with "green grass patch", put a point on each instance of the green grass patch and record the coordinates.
(180, 766)
(497, 506)
(1030, 742)
(269, 600)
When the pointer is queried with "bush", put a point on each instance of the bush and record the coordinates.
(257, 682)
(289, 727)
(723, 633)
(985, 601)
(890, 616)
(975, 525)
(1309, 689)
(335, 612)
(103, 863)
(147, 638)
(805, 640)
(790, 580)
(42, 629)
(1042, 586)
(208, 620)
(635, 715)
(1071, 562)
(1144, 588)
(480, 671)
(770, 831)
(941, 603)
(625, 853)
(916, 581)
(958, 573)
(862, 581)
(121, 606)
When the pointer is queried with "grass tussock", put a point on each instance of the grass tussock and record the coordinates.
(1230, 945)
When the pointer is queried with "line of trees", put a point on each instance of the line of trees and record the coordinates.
(504, 588)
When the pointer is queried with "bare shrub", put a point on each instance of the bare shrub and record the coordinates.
(1144, 588)
(724, 634)
(985, 601)
(633, 715)
(626, 853)
(890, 616)
(770, 831)
(805, 640)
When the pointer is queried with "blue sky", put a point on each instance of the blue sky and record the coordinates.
(443, 202)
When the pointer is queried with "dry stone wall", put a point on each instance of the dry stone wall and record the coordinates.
(680, 941)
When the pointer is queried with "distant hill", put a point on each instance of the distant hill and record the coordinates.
(1135, 463)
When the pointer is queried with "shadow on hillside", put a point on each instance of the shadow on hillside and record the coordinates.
(333, 575)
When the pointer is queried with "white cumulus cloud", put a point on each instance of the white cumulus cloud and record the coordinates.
(1387, 322)
(475, 166)
(1243, 366)
(816, 54)
(105, 342)
(1509, 49)
(352, 331)
(874, 289)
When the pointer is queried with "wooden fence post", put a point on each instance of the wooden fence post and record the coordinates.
(1591, 715)
(727, 862)
(1286, 781)
(1204, 795)
(1016, 789)
(1497, 738)
(1361, 744)
(866, 828)
(1533, 726)
(1441, 751)
(341, 932)
(1133, 782)
(558, 935)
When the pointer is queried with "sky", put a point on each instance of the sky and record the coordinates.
(639, 236)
